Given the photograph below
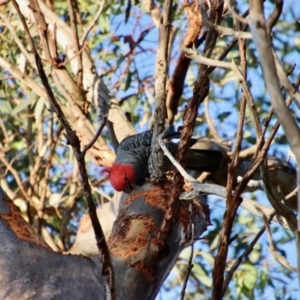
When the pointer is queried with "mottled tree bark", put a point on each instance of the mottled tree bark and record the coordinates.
(29, 269)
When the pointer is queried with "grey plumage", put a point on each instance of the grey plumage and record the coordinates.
(145, 139)
(135, 151)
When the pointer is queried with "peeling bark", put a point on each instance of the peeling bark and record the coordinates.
(141, 261)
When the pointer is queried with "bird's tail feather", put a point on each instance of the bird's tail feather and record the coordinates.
(204, 160)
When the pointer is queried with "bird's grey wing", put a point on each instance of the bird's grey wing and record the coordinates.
(204, 160)
(136, 141)
(198, 159)
(145, 139)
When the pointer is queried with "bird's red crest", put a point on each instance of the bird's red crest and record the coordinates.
(120, 175)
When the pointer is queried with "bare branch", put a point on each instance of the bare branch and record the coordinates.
(235, 14)
(274, 17)
(176, 82)
(190, 266)
(225, 31)
(231, 202)
(91, 26)
(156, 157)
(210, 124)
(92, 142)
(291, 90)
(264, 47)
(242, 258)
(273, 250)
(167, 153)
(72, 7)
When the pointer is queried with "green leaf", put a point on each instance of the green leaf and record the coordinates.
(127, 10)
(230, 76)
(128, 81)
(39, 108)
(104, 22)
(251, 277)
(21, 106)
(5, 107)
(208, 257)
(201, 275)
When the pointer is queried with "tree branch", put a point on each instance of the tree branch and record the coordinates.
(162, 59)
(264, 47)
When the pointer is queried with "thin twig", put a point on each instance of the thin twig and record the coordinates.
(167, 153)
(15, 37)
(235, 14)
(232, 202)
(210, 124)
(91, 26)
(92, 142)
(292, 193)
(176, 83)
(276, 255)
(248, 152)
(291, 90)
(190, 265)
(225, 31)
(242, 258)
(73, 20)
(64, 63)
(275, 15)
(16, 175)
(235, 160)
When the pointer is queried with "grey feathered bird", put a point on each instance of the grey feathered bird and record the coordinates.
(131, 163)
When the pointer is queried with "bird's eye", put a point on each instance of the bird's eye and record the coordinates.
(126, 178)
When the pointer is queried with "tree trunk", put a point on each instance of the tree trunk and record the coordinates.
(30, 270)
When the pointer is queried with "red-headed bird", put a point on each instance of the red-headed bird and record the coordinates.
(131, 164)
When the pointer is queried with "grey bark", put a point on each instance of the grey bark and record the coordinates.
(30, 270)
